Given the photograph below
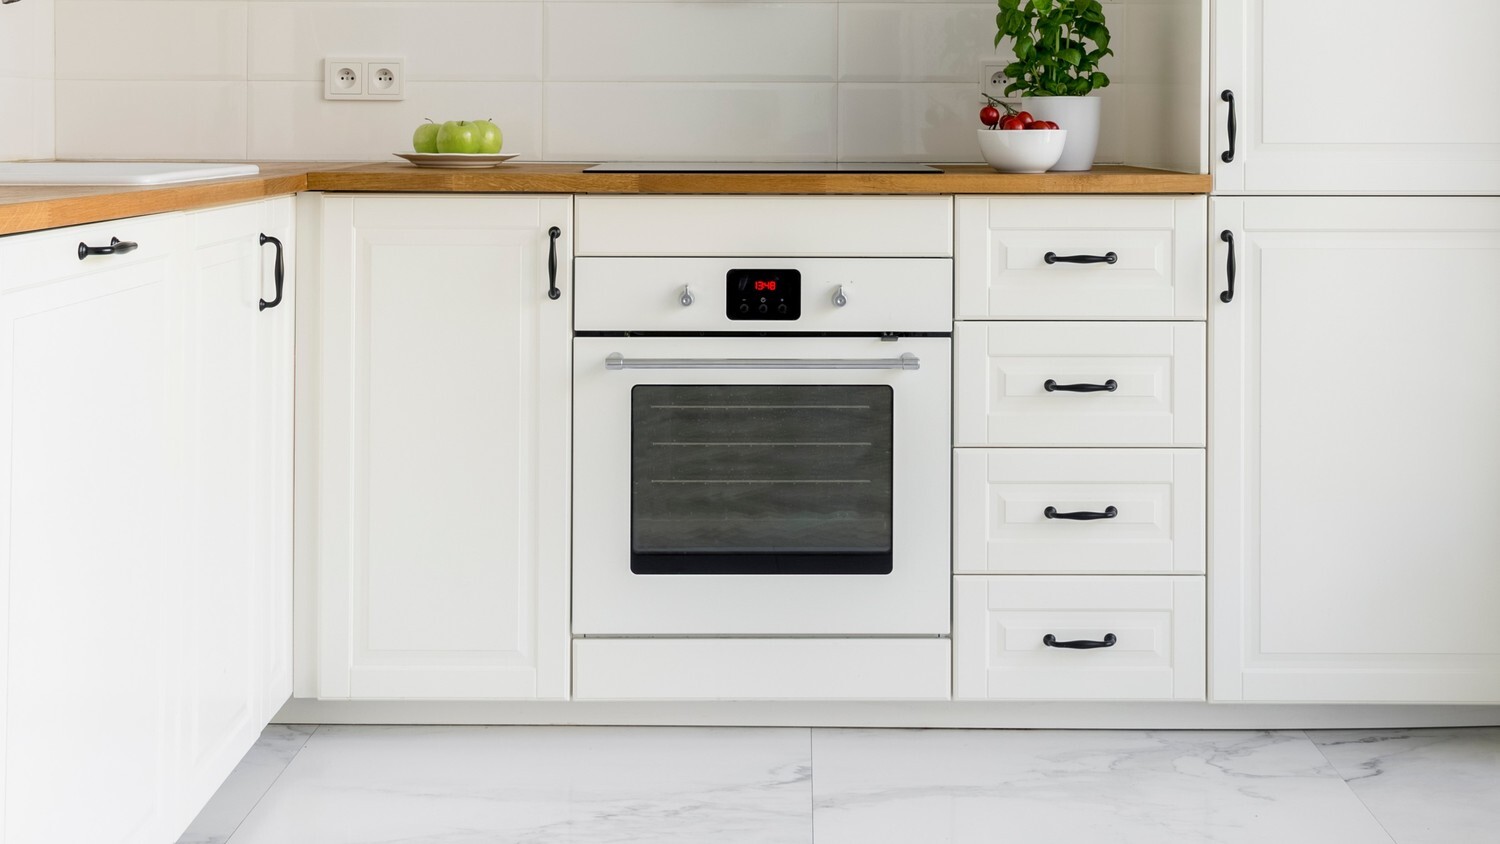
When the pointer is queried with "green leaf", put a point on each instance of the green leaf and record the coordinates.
(1009, 5)
(1012, 88)
(1080, 86)
(1025, 47)
(1101, 80)
(1070, 55)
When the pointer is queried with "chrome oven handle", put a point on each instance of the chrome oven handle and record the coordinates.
(618, 361)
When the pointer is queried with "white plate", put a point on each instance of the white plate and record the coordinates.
(456, 159)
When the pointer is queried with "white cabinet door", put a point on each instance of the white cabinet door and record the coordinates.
(443, 385)
(235, 581)
(1324, 104)
(1355, 468)
(91, 412)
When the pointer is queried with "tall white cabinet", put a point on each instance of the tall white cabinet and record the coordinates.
(437, 405)
(1355, 467)
(1326, 100)
(144, 442)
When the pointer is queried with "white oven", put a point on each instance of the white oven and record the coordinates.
(762, 446)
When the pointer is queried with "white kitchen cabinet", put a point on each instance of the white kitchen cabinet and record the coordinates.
(1355, 468)
(1314, 117)
(236, 581)
(441, 392)
(145, 457)
(91, 368)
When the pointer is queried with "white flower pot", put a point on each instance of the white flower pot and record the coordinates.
(1078, 115)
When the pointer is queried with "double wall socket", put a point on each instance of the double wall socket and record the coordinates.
(363, 79)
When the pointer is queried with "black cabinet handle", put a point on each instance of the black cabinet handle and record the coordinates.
(1234, 126)
(1107, 387)
(1229, 269)
(1082, 644)
(1106, 258)
(1082, 516)
(552, 291)
(116, 247)
(280, 271)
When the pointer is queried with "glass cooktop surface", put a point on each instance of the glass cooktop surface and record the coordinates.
(760, 167)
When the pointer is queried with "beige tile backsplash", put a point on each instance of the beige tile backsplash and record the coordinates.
(567, 79)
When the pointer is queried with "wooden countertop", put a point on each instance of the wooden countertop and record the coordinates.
(24, 209)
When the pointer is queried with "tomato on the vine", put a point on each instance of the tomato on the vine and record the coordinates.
(1012, 121)
(989, 115)
(1026, 118)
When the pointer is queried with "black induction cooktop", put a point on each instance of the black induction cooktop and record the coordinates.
(760, 167)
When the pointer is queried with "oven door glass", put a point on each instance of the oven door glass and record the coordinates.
(761, 479)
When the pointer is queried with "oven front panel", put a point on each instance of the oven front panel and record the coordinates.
(761, 501)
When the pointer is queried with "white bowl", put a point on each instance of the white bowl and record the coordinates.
(1022, 150)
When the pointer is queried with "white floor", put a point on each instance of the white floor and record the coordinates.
(457, 785)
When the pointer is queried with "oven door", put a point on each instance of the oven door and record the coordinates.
(754, 486)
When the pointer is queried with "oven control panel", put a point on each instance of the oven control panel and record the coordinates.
(763, 294)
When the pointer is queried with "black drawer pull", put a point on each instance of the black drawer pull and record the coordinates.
(552, 292)
(280, 271)
(116, 247)
(1082, 516)
(1234, 128)
(1107, 387)
(1080, 645)
(1229, 269)
(1106, 258)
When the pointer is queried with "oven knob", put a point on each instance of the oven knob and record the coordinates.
(839, 299)
(764, 308)
(744, 307)
(781, 308)
(687, 296)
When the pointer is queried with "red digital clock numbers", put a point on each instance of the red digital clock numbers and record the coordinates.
(765, 285)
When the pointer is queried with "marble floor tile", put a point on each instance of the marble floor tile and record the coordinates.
(1080, 787)
(272, 752)
(1433, 786)
(581, 785)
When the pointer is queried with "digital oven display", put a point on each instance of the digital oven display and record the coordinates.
(763, 294)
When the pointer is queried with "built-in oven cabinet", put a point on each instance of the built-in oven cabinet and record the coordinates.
(1078, 511)
(1078, 638)
(145, 572)
(1079, 383)
(1291, 115)
(1081, 258)
(434, 431)
(1355, 467)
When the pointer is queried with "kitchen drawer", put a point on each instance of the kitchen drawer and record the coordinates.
(756, 226)
(52, 255)
(1000, 625)
(1001, 498)
(1001, 370)
(1159, 246)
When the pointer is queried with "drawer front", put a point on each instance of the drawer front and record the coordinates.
(753, 226)
(1152, 499)
(1158, 244)
(1001, 371)
(53, 255)
(1001, 625)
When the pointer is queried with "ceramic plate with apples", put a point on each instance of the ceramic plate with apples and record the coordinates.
(457, 143)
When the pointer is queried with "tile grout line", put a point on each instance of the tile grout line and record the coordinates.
(812, 797)
(277, 779)
(1340, 775)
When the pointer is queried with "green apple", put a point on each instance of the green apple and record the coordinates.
(458, 136)
(490, 138)
(425, 138)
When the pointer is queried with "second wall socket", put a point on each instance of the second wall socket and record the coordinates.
(359, 78)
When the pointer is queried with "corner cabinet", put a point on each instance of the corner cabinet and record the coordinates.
(434, 402)
(1355, 467)
(1353, 117)
(145, 422)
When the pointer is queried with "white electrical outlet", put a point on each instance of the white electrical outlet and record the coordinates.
(385, 79)
(360, 78)
(992, 79)
(343, 78)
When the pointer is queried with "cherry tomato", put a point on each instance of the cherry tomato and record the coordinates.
(989, 115)
(1026, 118)
(1012, 121)
(1042, 124)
